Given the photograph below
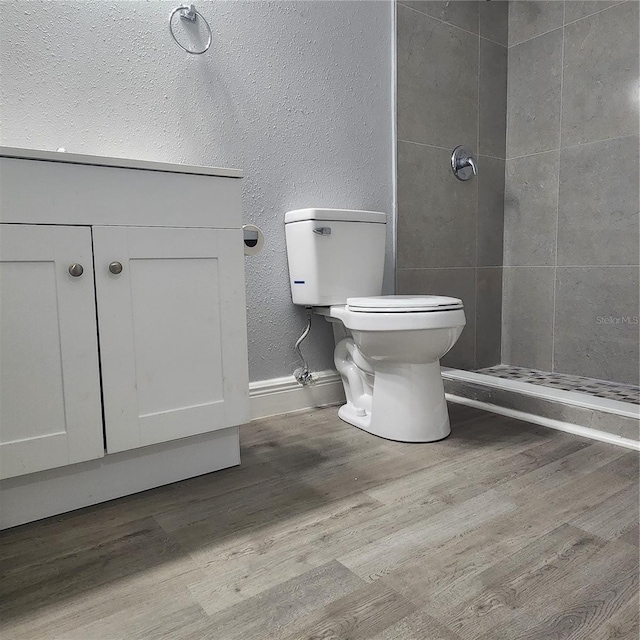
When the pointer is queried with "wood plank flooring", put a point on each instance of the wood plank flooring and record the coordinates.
(505, 530)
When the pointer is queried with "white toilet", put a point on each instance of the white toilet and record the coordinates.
(388, 348)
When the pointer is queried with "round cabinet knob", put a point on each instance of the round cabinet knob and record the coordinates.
(76, 270)
(115, 267)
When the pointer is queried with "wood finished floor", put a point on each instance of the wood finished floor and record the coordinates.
(505, 530)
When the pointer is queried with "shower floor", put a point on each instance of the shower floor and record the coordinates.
(599, 388)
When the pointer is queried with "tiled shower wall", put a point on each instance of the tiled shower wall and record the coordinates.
(451, 90)
(570, 288)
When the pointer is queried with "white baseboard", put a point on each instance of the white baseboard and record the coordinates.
(282, 395)
(47, 493)
(55, 491)
(585, 432)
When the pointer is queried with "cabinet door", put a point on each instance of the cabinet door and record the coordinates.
(172, 327)
(50, 411)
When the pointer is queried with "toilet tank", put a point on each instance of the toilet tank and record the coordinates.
(334, 254)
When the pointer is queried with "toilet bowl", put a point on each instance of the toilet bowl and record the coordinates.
(388, 348)
(388, 356)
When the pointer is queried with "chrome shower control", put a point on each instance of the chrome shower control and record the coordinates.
(463, 164)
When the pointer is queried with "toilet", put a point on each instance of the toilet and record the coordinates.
(388, 348)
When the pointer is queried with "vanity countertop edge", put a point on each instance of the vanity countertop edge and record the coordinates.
(123, 163)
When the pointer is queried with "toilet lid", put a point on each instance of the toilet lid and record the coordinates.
(403, 304)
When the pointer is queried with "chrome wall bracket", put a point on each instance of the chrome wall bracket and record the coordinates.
(189, 13)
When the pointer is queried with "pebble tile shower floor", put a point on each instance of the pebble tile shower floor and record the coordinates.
(599, 388)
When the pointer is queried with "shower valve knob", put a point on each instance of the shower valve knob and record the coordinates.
(463, 164)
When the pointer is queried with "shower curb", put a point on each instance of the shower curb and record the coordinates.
(570, 412)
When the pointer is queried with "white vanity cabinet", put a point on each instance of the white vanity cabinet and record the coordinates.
(122, 307)
(50, 411)
(172, 332)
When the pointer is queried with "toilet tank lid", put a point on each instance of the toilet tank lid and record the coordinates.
(341, 215)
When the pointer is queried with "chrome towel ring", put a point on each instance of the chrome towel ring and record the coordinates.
(190, 14)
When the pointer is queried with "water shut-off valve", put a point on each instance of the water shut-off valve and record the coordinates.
(303, 374)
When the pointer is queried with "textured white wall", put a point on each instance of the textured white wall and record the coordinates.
(297, 94)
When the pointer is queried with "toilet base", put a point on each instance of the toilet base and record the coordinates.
(407, 404)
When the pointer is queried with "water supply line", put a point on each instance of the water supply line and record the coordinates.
(302, 374)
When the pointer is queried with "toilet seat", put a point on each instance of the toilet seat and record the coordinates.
(403, 304)
(389, 320)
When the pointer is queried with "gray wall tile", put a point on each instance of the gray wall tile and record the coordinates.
(598, 209)
(576, 9)
(527, 317)
(530, 19)
(494, 21)
(533, 112)
(459, 283)
(531, 210)
(437, 81)
(462, 13)
(596, 173)
(492, 99)
(490, 227)
(436, 212)
(597, 329)
(440, 106)
(599, 95)
(488, 316)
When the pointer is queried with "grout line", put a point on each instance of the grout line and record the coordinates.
(394, 141)
(503, 306)
(567, 266)
(478, 112)
(564, 8)
(484, 155)
(475, 317)
(435, 268)
(422, 13)
(517, 44)
(595, 13)
(500, 44)
(502, 313)
(581, 144)
(555, 269)
(535, 153)
(506, 115)
(571, 146)
(527, 266)
(450, 24)
(435, 146)
(477, 188)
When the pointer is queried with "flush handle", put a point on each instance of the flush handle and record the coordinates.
(322, 231)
